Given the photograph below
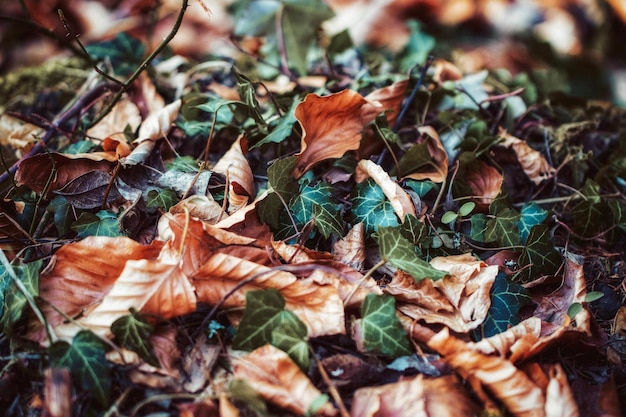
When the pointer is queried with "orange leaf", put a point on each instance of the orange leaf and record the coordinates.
(319, 307)
(124, 113)
(18, 135)
(535, 166)
(148, 286)
(387, 99)
(235, 166)
(81, 274)
(485, 182)
(278, 379)
(559, 398)
(331, 126)
(350, 249)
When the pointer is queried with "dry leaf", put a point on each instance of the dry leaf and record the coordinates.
(331, 126)
(560, 401)
(437, 170)
(81, 274)
(620, 8)
(319, 307)
(278, 379)
(198, 364)
(535, 166)
(460, 300)
(201, 207)
(350, 249)
(509, 385)
(147, 286)
(124, 113)
(399, 199)
(236, 168)
(18, 135)
(485, 182)
(388, 99)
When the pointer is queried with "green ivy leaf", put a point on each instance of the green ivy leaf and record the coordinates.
(161, 199)
(398, 251)
(186, 164)
(506, 300)
(283, 129)
(103, 223)
(371, 207)
(315, 203)
(539, 257)
(247, 94)
(282, 183)
(418, 47)
(531, 215)
(63, 214)
(415, 231)
(503, 228)
(293, 342)
(478, 227)
(421, 188)
(382, 330)
(124, 53)
(133, 332)
(12, 300)
(265, 312)
(85, 358)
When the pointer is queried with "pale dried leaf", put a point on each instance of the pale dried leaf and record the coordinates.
(198, 364)
(234, 165)
(560, 400)
(201, 207)
(331, 126)
(18, 135)
(533, 163)
(521, 335)
(124, 113)
(509, 385)
(350, 249)
(147, 286)
(319, 307)
(399, 199)
(279, 380)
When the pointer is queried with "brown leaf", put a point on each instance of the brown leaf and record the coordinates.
(331, 126)
(399, 199)
(485, 182)
(388, 99)
(148, 286)
(620, 8)
(535, 166)
(319, 307)
(236, 168)
(560, 401)
(18, 135)
(460, 300)
(198, 364)
(437, 169)
(350, 249)
(80, 275)
(124, 113)
(279, 380)
(412, 397)
(512, 387)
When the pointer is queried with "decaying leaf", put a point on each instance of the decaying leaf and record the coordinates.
(351, 248)
(535, 166)
(18, 135)
(399, 199)
(432, 166)
(331, 126)
(236, 168)
(485, 182)
(278, 379)
(124, 114)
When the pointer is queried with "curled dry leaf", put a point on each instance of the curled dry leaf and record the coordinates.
(280, 381)
(533, 163)
(387, 99)
(413, 397)
(512, 387)
(331, 126)
(318, 306)
(560, 401)
(124, 113)
(437, 169)
(399, 199)
(201, 207)
(460, 300)
(148, 286)
(81, 274)
(350, 249)
(445, 71)
(485, 182)
(18, 135)
(236, 168)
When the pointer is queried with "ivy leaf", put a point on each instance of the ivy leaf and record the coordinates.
(398, 251)
(506, 300)
(63, 214)
(539, 257)
(133, 332)
(417, 48)
(12, 300)
(503, 228)
(414, 231)
(478, 227)
(103, 223)
(265, 320)
(124, 53)
(247, 95)
(315, 203)
(282, 183)
(161, 199)
(85, 358)
(371, 207)
(382, 330)
(283, 129)
(531, 215)
(590, 218)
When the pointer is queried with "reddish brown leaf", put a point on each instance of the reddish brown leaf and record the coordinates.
(236, 168)
(437, 169)
(533, 163)
(331, 126)
(485, 182)
(278, 379)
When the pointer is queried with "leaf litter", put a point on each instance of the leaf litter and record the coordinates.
(312, 216)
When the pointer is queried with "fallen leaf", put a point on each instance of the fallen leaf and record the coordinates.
(534, 164)
(620, 8)
(399, 199)
(485, 182)
(388, 99)
(124, 113)
(560, 400)
(350, 249)
(412, 397)
(319, 307)
(278, 379)
(236, 168)
(331, 126)
(417, 166)
(18, 135)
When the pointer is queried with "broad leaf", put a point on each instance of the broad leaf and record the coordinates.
(371, 207)
(85, 358)
(506, 300)
(63, 214)
(124, 53)
(397, 250)
(382, 330)
(103, 223)
(315, 203)
(293, 341)
(283, 129)
(12, 300)
(503, 228)
(539, 256)
(285, 187)
(531, 215)
(161, 199)
(478, 227)
(133, 332)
